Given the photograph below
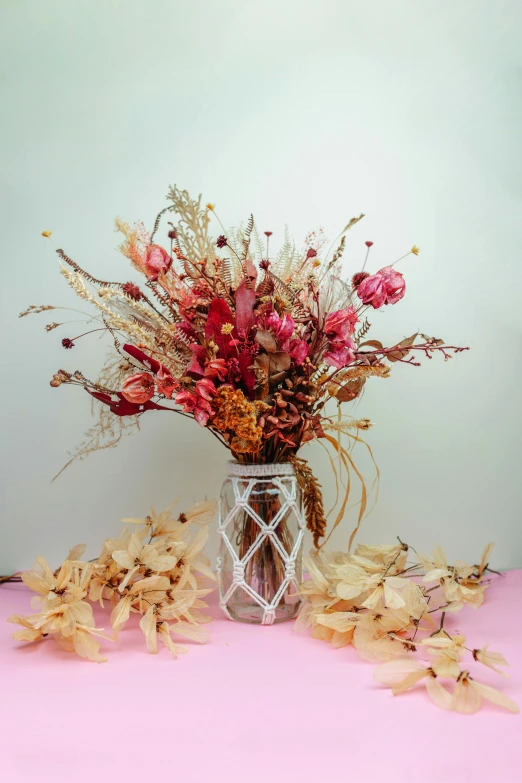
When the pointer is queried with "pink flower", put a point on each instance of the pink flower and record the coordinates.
(340, 324)
(394, 283)
(385, 287)
(282, 327)
(138, 388)
(299, 350)
(165, 383)
(340, 353)
(156, 261)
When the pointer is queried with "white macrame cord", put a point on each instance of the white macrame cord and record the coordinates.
(243, 479)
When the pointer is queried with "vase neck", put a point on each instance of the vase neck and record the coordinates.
(261, 470)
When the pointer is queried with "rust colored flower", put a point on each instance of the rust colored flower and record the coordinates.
(172, 233)
(138, 388)
(236, 418)
(221, 241)
(264, 264)
(67, 342)
(133, 291)
(358, 278)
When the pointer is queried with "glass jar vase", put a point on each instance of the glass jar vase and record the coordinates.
(261, 528)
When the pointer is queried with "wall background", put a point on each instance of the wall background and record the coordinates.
(300, 112)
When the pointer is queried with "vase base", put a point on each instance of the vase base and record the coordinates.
(254, 614)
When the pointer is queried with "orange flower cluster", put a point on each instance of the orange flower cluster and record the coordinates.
(236, 417)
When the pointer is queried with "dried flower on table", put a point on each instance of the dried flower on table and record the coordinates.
(377, 600)
(158, 570)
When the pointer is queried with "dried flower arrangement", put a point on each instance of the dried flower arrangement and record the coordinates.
(387, 607)
(157, 571)
(251, 347)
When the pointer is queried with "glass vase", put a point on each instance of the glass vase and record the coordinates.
(261, 528)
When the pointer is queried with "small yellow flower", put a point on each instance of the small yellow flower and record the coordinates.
(227, 328)
(316, 262)
(210, 206)
(415, 250)
(46, 233)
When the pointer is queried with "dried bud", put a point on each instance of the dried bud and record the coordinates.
(132, 290)
(221, 241)
(67, 342)
(311, 253)
(264, 264)
(172, 233)
(368, 244)
(268, 233)
(358, 278)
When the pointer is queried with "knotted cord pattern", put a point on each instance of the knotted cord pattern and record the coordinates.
(244, 479)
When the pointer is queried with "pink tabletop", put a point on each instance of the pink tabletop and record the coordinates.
(255, 704)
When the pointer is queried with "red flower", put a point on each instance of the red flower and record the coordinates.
(385, 287)
(368, 244)
(197, 402)
(133, 291)
(172, 233)
(264, 264)
(311, 253)
(221, 241)
(216, 368)
(138, 388)
(157, 261)
(67, 342)
(165, 383)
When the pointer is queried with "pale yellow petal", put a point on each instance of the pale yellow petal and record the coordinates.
(392, 673)
(438, 693)
(443, 666)
(189, 631)
(27, 635)
(150, 583)
(465, 698)
(494, 696)
(123, 558)
(36, 583)
(76, 552)
(338, 621)
(202, 513)
(87, 646)
(120, 614)
(148, 626)
(197, 544)
(161, 563)
(392, 599)
(491, 659)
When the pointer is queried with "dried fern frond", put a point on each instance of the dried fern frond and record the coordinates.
(192, 227)
(105, 434)
(363, 331)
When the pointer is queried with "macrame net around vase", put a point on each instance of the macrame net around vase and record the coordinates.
(261, 527)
